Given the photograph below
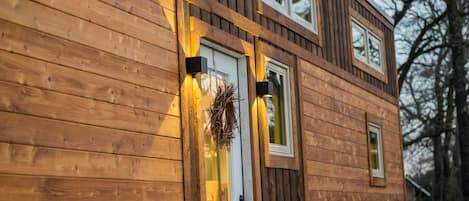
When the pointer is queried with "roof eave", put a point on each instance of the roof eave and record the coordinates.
(381, 11)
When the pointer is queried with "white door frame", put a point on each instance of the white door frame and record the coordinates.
(244, 121)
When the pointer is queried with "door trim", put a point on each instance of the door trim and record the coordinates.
(244, 124)
(191, 30)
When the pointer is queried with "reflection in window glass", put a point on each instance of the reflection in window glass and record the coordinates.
(217, 162)
(302, 8)
(276, 109)
(302, 11)
(374, 47)
(366, 46)
(358, 41)
(374, 150)
(281, 2)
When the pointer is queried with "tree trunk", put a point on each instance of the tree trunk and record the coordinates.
(438, 183)
(456, 40)
(451, 161)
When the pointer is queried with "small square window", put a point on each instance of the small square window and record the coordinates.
(279, 110)
(366, 47)
(376, 150)
(302, 11)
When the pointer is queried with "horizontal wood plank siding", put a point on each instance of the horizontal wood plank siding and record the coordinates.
(20, 187)
(335, 142)
(90, 106)
(334, 130)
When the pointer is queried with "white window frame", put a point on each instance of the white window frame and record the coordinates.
(368, 35)
(287, 11)
(377, 129)
(375, 66)
(276, 149)
(363, 30)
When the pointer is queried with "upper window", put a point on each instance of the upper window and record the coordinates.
(302, 11)
(366, 46)
(279, 110)
(376, 150)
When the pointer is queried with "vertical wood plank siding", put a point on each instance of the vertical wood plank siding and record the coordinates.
(287, 185)
(90, 105)
(336, 42)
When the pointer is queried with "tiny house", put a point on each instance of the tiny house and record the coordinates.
(114, 100)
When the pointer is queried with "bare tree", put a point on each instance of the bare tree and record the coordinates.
(456, 9)
(432, 39)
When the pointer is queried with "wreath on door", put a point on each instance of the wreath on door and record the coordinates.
(223, 115)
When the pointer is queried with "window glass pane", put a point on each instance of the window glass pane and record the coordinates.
(217, 162)
(276, 109)
(281, 2)
(374, 150)
(358, 41)
(302, 8)
(374, 48)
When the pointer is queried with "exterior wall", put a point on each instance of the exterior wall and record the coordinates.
(332, 44)
(336, 95)
(335, 142)
(89, 105)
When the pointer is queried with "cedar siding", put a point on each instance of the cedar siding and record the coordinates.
(95, 103)
(87, 111)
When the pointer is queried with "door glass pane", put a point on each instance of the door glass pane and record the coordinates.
(302, 8)
(374, 48)
(358, 41)
(215, 188)
(276, 109)
(374, 150)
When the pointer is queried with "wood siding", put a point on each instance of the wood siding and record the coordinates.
(334, 28)
(90, 101)
(335, 142)
(94, 103)
(335, 154)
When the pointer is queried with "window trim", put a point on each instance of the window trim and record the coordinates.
(368, 33)
(377, 180)
(377, 129)
(263, 51)
(379, 68)
(278, 7)
(364, 31)
(288, 149)
(379, 72)
(286, 10)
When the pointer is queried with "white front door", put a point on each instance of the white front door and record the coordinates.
(228, 177)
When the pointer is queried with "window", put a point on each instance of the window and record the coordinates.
(279, 110)
(366, 46)
(374, 52)
(302, 11)
(358, 42)
(376, 150)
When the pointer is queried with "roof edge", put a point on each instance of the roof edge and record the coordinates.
(381, 11)
(415, 184)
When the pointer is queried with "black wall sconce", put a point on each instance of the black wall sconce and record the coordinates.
(264, 89)
(196, 65)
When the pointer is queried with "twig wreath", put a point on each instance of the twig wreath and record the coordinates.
(223, 115)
